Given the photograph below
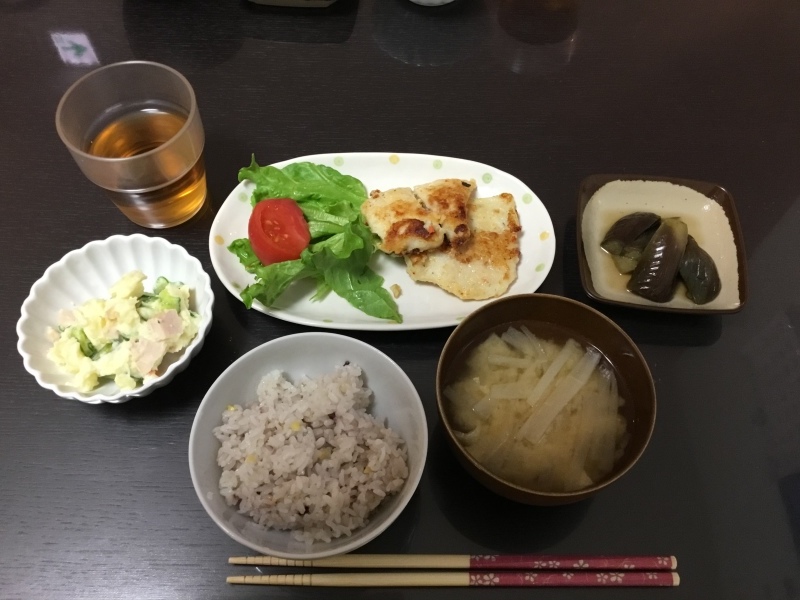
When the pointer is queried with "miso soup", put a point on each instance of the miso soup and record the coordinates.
(537, 410)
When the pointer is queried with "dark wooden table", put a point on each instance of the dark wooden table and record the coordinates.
(97, 502)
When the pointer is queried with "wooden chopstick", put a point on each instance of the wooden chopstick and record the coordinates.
(471, 562)
(469, 579)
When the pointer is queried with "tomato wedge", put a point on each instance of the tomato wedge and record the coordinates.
(278, 231)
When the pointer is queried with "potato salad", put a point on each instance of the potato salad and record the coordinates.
(126, 336)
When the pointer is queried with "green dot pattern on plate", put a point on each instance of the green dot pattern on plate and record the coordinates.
(540, 267)
(527, 198)
(487, 178)
(244, 197)
(338, 161)
(437, 164)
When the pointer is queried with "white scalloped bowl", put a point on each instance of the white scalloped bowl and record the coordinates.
(88, 273)
(394, 399)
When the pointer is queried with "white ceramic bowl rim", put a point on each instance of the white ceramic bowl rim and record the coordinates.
(25, 325)
(359, 537)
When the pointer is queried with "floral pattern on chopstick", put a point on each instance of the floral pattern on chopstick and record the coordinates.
(571, 579)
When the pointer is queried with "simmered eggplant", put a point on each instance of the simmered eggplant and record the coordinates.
(627, 238)
(626, 230)
(656, 274)
(699, 274)
(632, 253)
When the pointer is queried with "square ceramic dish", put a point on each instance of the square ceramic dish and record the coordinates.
(720, 235)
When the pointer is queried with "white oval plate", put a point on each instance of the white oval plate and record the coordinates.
(422, 306)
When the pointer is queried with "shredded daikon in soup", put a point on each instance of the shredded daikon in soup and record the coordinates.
(537, 413)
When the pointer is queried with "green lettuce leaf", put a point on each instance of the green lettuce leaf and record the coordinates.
(341, 243)
(271, 280)
(364, 290)
(303, 182)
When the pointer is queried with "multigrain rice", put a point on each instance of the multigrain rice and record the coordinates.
(308, 457)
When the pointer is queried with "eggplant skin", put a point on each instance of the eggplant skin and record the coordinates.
(656, 274)
(699, 274)
(627, 230)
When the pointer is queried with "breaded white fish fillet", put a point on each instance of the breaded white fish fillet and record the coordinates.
(448, 200)
(402, 222)
(421, 219)
(485, 265)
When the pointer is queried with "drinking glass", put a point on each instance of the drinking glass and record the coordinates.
(134, 129)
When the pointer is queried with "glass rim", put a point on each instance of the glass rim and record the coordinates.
(114, 160)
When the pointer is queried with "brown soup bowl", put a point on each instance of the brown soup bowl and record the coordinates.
(557, 319)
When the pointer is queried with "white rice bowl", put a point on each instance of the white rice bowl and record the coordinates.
(321, 440)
